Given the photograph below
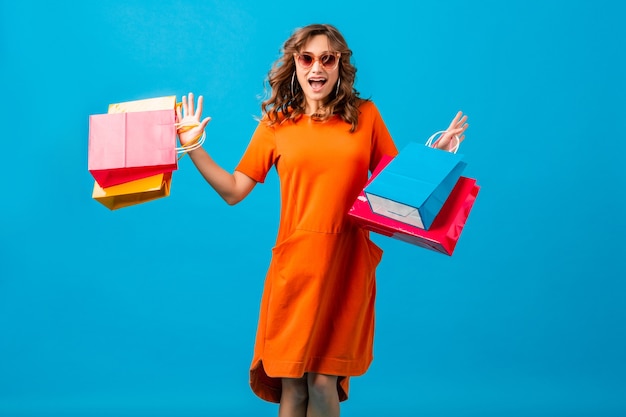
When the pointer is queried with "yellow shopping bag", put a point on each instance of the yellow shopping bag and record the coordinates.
(133, 192)
(149, 104)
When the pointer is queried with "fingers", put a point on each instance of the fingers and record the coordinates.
(459, 130)
(188, 109)
(459, 120)
(184, 106)
(458, 124)
(198, 112)
(463, 124)
(204, 123)
(190, 106)
(456, 119)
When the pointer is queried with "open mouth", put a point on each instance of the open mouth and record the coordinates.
(317, 83)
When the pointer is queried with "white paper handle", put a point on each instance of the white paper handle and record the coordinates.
(431, 140)
(195, 144)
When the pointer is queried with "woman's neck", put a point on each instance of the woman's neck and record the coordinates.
(314, 107)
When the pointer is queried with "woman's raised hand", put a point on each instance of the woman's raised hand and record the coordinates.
(189, 125)
(457, 127)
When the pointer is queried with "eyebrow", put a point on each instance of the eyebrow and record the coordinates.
(324, 52)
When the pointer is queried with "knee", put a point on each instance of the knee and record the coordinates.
(294, 390)
(322, 388)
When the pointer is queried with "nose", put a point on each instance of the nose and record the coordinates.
(316, 66)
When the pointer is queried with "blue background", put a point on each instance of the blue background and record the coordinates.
(151, 310)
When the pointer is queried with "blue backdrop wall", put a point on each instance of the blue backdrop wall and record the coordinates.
(151, 310)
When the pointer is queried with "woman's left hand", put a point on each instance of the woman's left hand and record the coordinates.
(457, 127)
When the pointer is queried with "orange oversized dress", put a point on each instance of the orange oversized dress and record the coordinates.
(317, 308)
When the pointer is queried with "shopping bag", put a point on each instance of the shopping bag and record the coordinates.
(146, 104)
(446, 228)
(416, 183)
(133, 192)
(134, 140)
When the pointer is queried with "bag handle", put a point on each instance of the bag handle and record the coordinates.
(191, 145)
(183, 127)
(431, 142)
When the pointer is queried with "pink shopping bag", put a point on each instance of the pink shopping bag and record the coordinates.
(128, 146)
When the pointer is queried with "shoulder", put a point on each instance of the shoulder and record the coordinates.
(276, 120)
(367, 107)
(368, 110)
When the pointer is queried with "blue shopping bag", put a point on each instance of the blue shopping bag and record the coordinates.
(413, 187)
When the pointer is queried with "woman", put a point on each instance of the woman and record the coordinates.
(316, 323)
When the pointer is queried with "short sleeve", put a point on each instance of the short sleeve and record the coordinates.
(260, 155)
(382, 142)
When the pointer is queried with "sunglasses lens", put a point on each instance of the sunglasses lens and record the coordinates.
(328, 61)
(305, 60)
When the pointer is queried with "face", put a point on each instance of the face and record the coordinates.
(319, 80)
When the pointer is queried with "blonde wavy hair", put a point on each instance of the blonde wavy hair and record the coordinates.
(286, 101)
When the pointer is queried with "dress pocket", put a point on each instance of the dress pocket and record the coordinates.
(303, 255)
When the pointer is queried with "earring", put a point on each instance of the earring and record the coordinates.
(293, 79)
(338, 84)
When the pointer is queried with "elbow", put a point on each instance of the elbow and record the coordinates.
(231, 200)
(238, 191)
(231, 197)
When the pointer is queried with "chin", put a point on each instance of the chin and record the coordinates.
(318, 96)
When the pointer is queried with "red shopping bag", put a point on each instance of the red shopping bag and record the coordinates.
(444, 232)
(125, 147)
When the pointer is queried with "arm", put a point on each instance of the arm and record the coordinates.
(231, 187)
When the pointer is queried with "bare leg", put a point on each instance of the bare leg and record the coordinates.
(293, 400)
(323, 396)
